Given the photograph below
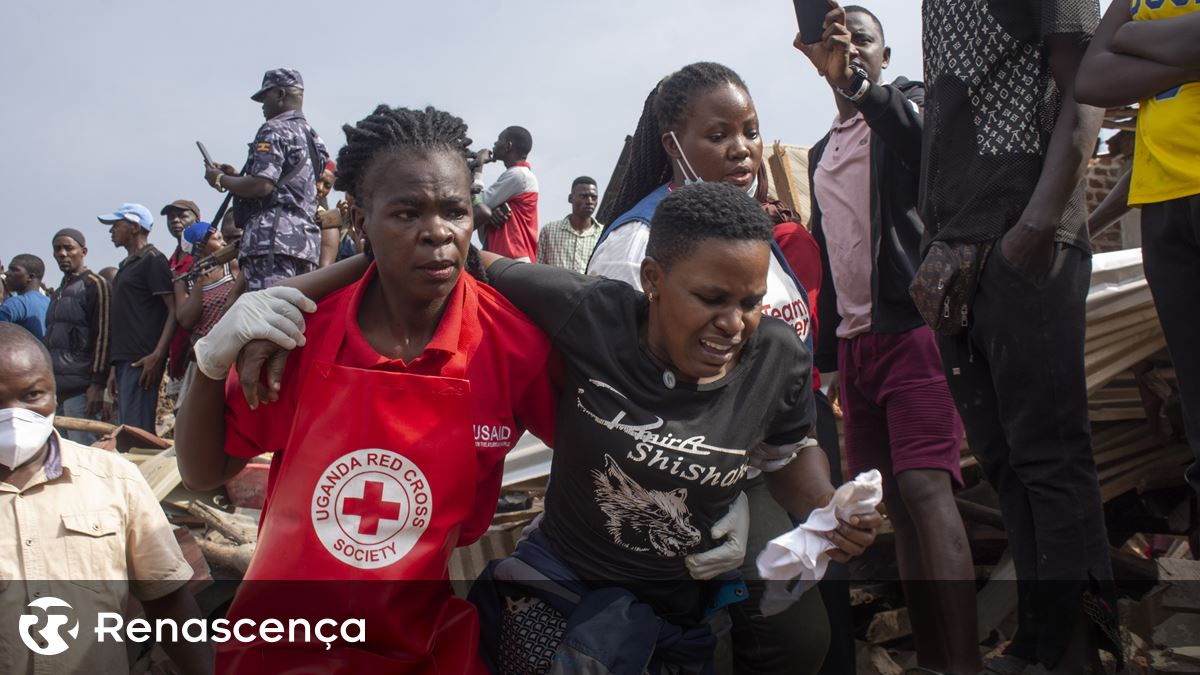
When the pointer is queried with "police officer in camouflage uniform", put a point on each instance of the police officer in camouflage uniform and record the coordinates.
(275, 199)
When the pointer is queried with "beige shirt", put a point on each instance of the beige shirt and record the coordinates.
(89, 537)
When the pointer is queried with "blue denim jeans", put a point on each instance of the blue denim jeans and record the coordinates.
(76, 406)
(137, 407)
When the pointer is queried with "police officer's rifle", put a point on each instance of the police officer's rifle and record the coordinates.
(208, 263)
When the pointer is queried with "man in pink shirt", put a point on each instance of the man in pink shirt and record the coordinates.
(509, 205)
(899, 415)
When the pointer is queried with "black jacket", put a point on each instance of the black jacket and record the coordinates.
(896, 227)
(77, 333)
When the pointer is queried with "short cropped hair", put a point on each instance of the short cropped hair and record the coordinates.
(583, 180)
(694, 213)
(863, 10)
(32, 264)
(521, 140)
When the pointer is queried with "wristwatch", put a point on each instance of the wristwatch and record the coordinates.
(859, 84)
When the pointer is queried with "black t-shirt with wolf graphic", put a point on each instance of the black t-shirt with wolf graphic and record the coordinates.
(642, 471)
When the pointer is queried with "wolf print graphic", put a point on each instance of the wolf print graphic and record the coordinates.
(644, 520)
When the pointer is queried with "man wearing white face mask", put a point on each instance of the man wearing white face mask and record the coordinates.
(77, 524)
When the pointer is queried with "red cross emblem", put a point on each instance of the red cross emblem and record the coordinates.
(371, 507)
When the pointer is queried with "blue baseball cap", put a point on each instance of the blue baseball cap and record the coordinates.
(134, 213)
(193, 235)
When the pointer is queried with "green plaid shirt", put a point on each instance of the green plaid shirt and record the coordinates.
(560, 245)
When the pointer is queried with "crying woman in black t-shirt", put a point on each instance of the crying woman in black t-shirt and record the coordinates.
(668, 399)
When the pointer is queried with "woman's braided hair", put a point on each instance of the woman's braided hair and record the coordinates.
(389, 130)
(649, 166)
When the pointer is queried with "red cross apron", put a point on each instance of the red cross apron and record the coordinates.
(376, 480)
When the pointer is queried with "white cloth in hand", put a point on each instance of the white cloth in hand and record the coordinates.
(734, 526)
(275, 314)
(803, 554)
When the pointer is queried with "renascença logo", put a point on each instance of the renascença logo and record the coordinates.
(50, 640)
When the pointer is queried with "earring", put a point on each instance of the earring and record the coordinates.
(650, 296)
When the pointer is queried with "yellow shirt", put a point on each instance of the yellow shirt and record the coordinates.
(88, 537)
(1166, 158)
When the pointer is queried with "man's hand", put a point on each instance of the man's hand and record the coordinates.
(152, 367)
(94, 400)
(500, 215)
(734, 528)
(330, 218)
(257, 358)
(211, 171)
(850, 538)
(1029, 249)
(831, 56)
(483, 157)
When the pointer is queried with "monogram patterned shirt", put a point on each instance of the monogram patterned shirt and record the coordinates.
(991, 106)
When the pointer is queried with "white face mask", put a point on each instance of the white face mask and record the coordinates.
(685, 167)
(22, 434)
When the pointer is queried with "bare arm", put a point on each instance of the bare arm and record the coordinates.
(803, 485)
(1029, 245)
(200, 437)
(152, 364)
(487, 258)
(1171, 42)
(320, 283)
(189, 306)
(1072, 141)
(1112, 209)
(192, 658)
(1109, 77)
(330, 241)
(246, 187)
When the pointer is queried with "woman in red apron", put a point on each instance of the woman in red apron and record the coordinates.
(390, 428)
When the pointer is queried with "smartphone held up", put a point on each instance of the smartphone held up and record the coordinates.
(810, 15)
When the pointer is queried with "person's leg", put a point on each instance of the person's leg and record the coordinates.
(970, 381)
(925, 440)
(927, 632)
(138, 406)
(1171, 255)
(945, 580)
(835, 587)
(1038, 332)
(76, 406)
(794, 641)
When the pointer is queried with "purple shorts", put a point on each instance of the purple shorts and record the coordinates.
(897, 410)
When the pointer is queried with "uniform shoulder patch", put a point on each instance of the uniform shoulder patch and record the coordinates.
(262, 146)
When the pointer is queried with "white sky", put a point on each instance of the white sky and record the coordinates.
(105, 99)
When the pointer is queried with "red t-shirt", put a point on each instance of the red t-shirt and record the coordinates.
(804, 257)
(179, 262)
(518, 237)
(511, 388)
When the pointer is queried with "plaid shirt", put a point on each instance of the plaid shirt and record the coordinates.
(560, 245)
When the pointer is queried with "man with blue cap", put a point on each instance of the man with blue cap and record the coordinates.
(143, 317)
(275, 198)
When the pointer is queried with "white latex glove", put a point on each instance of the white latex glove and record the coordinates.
(734, 527)
(275, 314)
